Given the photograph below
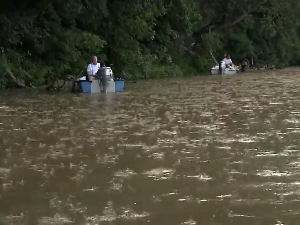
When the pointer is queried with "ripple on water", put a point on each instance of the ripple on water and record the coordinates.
(57, 219)
(247, 140)
(124, 173)
(201, 177)
(157, 155)
(160, 173)
(107, 158)
(128, 213)
(293, 121)
(189, 222)
(4, 172)
(270, 173)
(12, 219)
(110, 214)
(272, 154)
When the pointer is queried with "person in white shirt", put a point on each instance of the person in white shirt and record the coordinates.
(92, 69)
(228, 61)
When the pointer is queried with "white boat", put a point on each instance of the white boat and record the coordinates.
(225, 71)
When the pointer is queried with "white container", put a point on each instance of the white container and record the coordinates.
(95, 87)
(110, 86)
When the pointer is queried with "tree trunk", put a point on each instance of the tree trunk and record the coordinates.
(51, 85)
(15, 80)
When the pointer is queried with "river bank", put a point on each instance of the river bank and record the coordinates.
(66, 85)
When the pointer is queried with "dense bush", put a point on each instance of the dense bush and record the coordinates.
(48, 40)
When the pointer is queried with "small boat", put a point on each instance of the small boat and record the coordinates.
(223, 70)
(98, 85)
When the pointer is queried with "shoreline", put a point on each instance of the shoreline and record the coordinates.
(68, 84)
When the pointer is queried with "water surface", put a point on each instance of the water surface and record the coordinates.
(205, 150)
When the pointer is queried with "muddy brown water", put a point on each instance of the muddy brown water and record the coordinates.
(204, 150)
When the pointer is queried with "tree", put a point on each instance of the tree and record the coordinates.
(42, 42)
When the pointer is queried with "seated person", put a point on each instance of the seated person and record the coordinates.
(92, 69)
(228, 61)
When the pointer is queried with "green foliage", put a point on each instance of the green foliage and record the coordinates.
(147, 39)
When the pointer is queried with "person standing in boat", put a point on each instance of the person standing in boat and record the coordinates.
(228, 61)
(92, 69)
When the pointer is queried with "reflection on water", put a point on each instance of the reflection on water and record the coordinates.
(206, 150)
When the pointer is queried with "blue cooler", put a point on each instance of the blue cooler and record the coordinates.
(119, 85)
(86, 86)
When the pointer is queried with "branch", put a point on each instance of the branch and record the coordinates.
(225, 21)
(61, 86)
(212, 56)
(219, 25)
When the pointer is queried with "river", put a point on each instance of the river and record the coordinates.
(202, 150)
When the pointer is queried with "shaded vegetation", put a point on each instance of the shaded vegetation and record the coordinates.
(44, 41)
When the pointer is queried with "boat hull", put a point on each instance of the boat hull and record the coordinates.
(226, 71)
